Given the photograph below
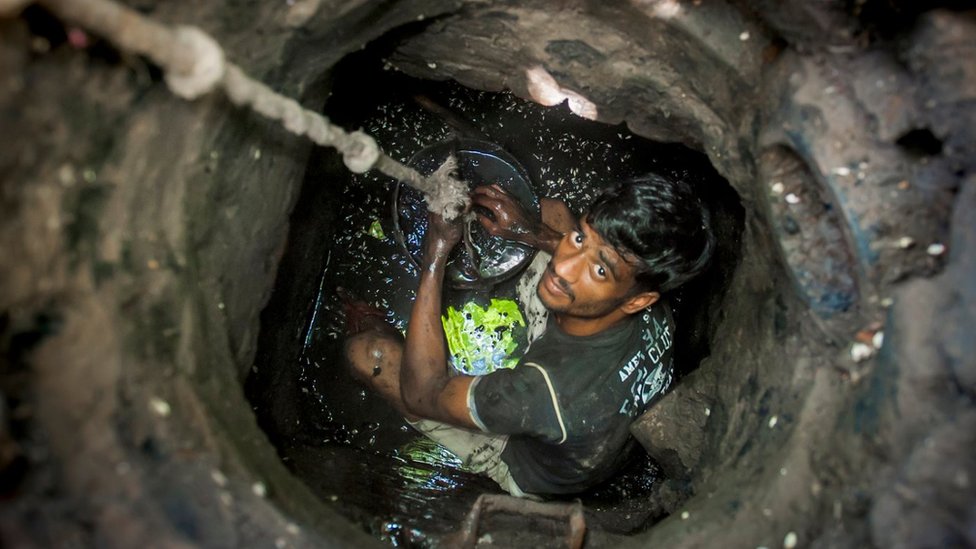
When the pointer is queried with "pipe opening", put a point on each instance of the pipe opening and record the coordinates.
(348, 445)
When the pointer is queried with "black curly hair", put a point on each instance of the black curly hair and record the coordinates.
(661, 223)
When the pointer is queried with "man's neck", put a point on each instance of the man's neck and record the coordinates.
(580, 327)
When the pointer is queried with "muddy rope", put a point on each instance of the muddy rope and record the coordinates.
(194, 65)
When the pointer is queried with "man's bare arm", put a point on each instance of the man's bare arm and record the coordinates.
(426, 387)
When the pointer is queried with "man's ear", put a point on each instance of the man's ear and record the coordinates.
(640, 302)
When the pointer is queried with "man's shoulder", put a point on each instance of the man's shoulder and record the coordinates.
(658, 318)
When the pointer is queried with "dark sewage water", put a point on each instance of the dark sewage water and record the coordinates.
(349, 446)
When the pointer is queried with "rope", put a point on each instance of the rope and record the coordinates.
(194, 65)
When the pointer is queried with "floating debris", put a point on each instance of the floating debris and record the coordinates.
(376, 230)
(772, 421)
(685, 515)
(744, 36)
(905, 242)
(259, 489)
(790, 541)
(935, 249)
(792, 198)
(842, 171)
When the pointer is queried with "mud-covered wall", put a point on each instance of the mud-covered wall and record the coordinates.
(141, 235)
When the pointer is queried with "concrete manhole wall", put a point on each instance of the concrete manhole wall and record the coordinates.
(141, 236)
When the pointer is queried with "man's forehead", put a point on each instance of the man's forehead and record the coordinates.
(625, 261)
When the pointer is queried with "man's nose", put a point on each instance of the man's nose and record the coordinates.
(567, 265)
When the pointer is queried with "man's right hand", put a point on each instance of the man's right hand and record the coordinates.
(441, 237)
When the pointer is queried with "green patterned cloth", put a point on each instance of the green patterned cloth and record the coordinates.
(482, 340)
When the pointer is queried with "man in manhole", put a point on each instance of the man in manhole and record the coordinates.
(556, 423)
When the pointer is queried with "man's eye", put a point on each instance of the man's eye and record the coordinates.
(601, 272)
(578, 237)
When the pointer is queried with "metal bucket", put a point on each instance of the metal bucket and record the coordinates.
(484, 260)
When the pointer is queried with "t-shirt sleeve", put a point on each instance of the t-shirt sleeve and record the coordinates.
(518, 401)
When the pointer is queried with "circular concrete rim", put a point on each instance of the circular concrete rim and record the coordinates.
(196, 376)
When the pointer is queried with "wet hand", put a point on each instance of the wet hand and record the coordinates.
(501, 215)
(442, 235)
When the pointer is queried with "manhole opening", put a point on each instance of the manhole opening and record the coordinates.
(350, 447)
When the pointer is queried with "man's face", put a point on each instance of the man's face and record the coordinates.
(587, 277)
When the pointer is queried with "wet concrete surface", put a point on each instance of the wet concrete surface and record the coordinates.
(348, 445)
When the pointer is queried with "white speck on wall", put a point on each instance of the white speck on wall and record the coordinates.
(860, 352)
(160, 407)
(219, 478)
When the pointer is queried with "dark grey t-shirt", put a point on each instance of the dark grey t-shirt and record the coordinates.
(569, 402)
